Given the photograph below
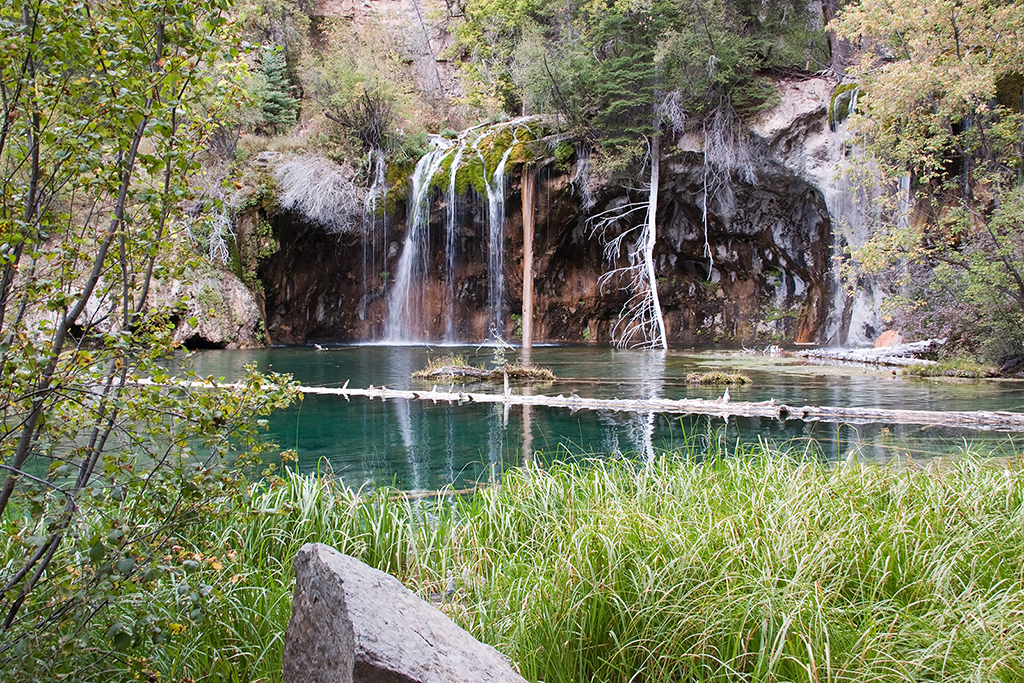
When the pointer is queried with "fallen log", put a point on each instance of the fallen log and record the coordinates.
(897, 354)
(981, 420)
(978, 420)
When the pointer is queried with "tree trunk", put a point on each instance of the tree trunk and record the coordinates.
(652, 232)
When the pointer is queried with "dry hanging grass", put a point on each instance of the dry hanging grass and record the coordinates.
(323, 192)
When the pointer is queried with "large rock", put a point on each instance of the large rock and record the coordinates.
(351, 622)
(888, 338)
(226, 314)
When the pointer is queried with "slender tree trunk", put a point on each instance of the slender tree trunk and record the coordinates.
(44, 385)
(32, 192)
(527, 428)
(652, 232)
(529, 186)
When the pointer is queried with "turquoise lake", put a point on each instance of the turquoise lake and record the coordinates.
(417, 445)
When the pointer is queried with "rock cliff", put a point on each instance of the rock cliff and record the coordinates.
(758, 268)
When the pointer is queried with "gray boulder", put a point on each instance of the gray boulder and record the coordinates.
(351, 622)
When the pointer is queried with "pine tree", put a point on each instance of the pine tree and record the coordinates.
(279, 107)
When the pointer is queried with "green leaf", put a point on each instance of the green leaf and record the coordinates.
(122, 640)
(97, 551)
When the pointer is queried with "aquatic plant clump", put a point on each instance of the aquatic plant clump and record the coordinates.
(963, 369)
(718, 378)
(449, 368)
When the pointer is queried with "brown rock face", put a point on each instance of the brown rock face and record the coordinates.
(767, 279)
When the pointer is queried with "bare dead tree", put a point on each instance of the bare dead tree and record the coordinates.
(641, 323)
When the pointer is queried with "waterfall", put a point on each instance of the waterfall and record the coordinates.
(374, 241)
(405, 305)
(406, 319)
(856, 318)
(496, 245)
(450, 245)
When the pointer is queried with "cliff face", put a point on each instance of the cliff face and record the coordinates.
(770, 227)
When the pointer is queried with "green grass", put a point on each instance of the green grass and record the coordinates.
(758, 565)
(434, 364)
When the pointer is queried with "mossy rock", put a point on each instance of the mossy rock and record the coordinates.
(842, 104)
(471, 174)
(564, 153)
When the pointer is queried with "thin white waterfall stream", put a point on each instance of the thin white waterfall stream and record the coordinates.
(405, 305)
(496, 246)
(374, 241)
(450, 245)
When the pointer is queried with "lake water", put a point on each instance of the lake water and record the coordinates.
(418, 445)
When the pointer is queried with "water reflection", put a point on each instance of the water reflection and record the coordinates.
(648, 366)
(420, 445)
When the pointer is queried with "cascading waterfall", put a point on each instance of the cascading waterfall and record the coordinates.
(405, 305)
(450, 244)
(853, 321)
(374, 241)
(496, 245)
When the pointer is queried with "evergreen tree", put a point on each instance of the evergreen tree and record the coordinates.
(279, 107)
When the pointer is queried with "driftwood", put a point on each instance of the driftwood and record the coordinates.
(1000, 421)
(979, 420)
(897, 354)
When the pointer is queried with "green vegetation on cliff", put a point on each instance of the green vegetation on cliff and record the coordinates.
(614, 71)
(941, 109)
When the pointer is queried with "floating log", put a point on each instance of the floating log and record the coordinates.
(979, 420)
(897, 354)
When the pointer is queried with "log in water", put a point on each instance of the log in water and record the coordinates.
(982, 420)
(723, 407)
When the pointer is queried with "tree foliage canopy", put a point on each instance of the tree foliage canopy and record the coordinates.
(605, 67)
(941, 105)
(105, 109)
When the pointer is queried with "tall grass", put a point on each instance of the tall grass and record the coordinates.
(759, 567)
